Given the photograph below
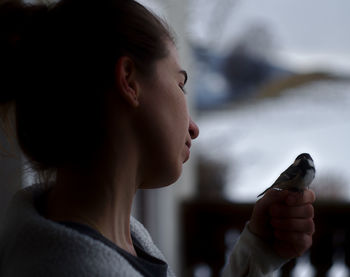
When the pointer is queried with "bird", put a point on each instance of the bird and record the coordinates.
(297, 177)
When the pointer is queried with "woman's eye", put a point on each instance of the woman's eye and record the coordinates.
(182, 87)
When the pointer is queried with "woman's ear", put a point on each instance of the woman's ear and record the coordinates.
(126, 80)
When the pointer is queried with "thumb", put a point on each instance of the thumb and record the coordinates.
(260, 221)
(273, 196)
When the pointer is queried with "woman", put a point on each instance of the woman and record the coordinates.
(98, 96)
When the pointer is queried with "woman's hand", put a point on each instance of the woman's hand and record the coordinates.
(285, 219)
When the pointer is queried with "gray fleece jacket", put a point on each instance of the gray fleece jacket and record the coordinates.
(31, 245)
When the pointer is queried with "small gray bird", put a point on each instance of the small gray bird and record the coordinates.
(297, 177)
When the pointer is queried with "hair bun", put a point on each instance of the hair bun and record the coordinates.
(17, 24)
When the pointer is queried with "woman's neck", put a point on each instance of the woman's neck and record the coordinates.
(101, 200)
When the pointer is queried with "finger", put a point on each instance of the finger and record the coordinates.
(282, 211)
(274, 196)
(284, 250)
(306, 226)
(292, 245)
(294, 238)
(296, 198)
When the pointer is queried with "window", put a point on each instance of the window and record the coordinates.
(273, 82)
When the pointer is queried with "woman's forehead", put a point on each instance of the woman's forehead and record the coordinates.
(172, 60)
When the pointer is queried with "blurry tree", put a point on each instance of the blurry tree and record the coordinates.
(211, 20)
(248, 65)
(330, 187)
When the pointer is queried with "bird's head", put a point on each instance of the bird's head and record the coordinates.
(305, 161)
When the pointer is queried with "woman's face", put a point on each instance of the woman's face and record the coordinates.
(166, 127)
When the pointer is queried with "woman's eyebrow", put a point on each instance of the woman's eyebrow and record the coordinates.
(183, 72)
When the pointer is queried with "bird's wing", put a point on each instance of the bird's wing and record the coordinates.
(286, 179)
(289, 174)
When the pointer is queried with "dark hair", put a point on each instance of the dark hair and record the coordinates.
(58, 61)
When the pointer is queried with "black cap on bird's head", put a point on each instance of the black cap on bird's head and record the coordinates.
(304, 156)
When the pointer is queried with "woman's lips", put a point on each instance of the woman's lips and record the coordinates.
(188, 152)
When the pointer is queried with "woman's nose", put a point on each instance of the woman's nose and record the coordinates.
(193, 129)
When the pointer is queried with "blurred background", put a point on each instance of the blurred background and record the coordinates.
(268, 80)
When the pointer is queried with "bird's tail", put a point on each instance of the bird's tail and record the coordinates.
(263, 192)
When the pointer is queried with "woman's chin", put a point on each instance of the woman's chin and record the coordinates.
(165, 181)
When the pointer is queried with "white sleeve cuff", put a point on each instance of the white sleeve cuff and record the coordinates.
(252, 257)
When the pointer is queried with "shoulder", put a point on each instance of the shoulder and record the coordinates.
(32, 245)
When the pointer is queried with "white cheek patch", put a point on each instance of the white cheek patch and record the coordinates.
(311, 163)
(310, 175)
